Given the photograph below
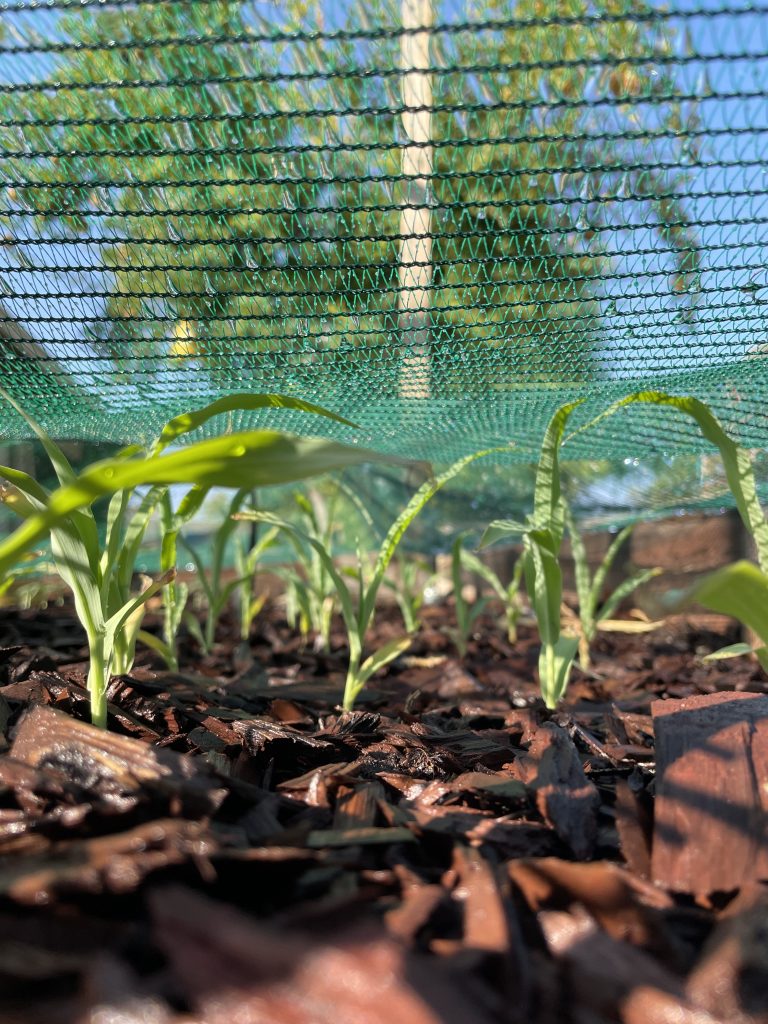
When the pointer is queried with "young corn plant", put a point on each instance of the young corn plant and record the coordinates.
(595, 614)
(509, 595)
(310, 591)
(357, 604)
(246, 566)
(467, 612)
(175, 593)
(741, 589)
(99, 574)
(408, 589)
(542, 536)
(218, 592)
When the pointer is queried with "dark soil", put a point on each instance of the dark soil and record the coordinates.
(237, 850)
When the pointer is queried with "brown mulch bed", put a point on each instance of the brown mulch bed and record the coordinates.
(236, 850)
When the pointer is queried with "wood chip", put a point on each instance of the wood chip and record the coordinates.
(236, 969)
(89, 757)
(633, 824)
(712, 793)
(485, 916)
(613, 980)
(731, 978)
(566, 799)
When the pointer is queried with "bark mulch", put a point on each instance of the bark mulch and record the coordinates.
(237, 850)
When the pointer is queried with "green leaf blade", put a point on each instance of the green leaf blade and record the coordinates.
(188, 422)
(739, 590)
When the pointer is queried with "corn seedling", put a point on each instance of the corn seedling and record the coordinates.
(741, 589)
(246, 565)
(467, 612)
(175, 593)
(218, 593)
(542, 536)
(310, 592)
(408, 589)
(593, 614)
(509, 595)
(357, 608)
(100, 575)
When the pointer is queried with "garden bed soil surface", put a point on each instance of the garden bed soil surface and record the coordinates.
(237, 850)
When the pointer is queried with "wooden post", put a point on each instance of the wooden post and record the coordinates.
(415, 270)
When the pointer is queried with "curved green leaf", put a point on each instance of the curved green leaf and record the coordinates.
(555, 663)
(736, 460)
(58, 459)
(342, 590)
(471, 562)
(383, 656)
(24, 482)
(187, 422)
(501, 528)
(403, 521)
(114, 623)
(547, 510)
(624, 590)
(601, 574)
(251, 459)
(739, 590)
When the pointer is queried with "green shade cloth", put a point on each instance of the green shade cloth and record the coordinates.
(441, 219)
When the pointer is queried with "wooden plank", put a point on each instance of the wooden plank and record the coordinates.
(711, 818)
(695, 543)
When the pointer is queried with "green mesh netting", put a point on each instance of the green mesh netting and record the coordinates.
(441, 218)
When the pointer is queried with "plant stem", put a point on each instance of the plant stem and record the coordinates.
(585, 661)
(546, 675)
(97, 682)
(210, 630)
(352, 689)
(512, 616)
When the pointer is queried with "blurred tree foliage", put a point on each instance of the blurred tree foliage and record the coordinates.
(244, 192)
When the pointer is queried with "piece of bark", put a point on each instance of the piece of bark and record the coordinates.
(614, 980)
(634, 827)
(405, 921)
(731, 978)
(566, 799)
(501, 787)
(279, 752)
(644, 1005)
(491, 930)
(356, 806)
(485, 916)
(104, 864)
(235, 969)
(711, 816)
(629, 727)
(510, 836)
(602, 888)
(105, 762)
